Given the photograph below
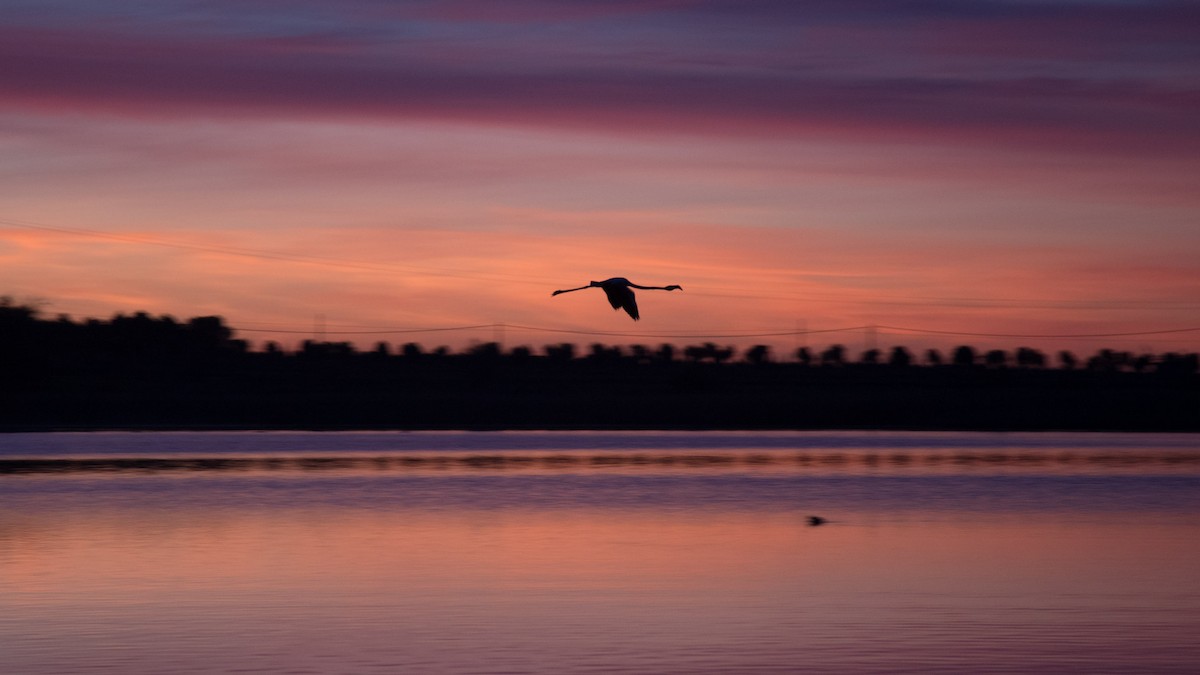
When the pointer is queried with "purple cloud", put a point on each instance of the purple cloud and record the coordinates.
(1029, 74)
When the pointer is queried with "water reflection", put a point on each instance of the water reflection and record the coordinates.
(1070, 558)
(911, 461)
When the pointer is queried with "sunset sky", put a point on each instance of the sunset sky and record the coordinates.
(361, 168)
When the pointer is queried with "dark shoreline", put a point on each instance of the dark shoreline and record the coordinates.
(146, 373)
(466, 395)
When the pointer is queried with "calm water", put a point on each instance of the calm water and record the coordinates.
(599, 553)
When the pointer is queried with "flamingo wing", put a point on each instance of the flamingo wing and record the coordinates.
(620, 297)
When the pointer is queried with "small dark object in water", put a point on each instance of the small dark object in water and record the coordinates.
(816, 520)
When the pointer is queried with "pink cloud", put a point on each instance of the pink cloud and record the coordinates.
(70, 70)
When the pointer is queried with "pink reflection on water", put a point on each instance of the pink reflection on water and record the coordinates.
(282, 588)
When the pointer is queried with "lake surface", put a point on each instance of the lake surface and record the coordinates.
(598, 552)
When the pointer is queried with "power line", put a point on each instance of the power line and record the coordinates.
(368, 332)
(1064, 335)
(538, 329)
(695, 335)
(691, 335)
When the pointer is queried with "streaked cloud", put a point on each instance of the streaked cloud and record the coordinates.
(667, 68)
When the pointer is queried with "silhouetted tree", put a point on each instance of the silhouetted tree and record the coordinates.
(870, 357)
(933, 357)
(560, 352)
(209, 332)
(1109, 361)
(12, 313)
(758, 355)
(666, 352)
(900, 358)
(604, 354)
(315, 350)
(804, 356)
(486, 351)
(139, 334)
(708, 351)
(835, 355)
(20, 343)
(964, 356)
(721, 354)
(50, 371)
(1030, 358)
(1067, 360)
(995, 358)
(639, 353)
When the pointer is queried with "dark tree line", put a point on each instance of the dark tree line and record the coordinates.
(144, 371)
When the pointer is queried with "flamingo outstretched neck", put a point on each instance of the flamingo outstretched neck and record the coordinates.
(620, 293)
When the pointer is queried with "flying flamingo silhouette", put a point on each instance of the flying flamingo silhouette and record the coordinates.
(619, 294)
